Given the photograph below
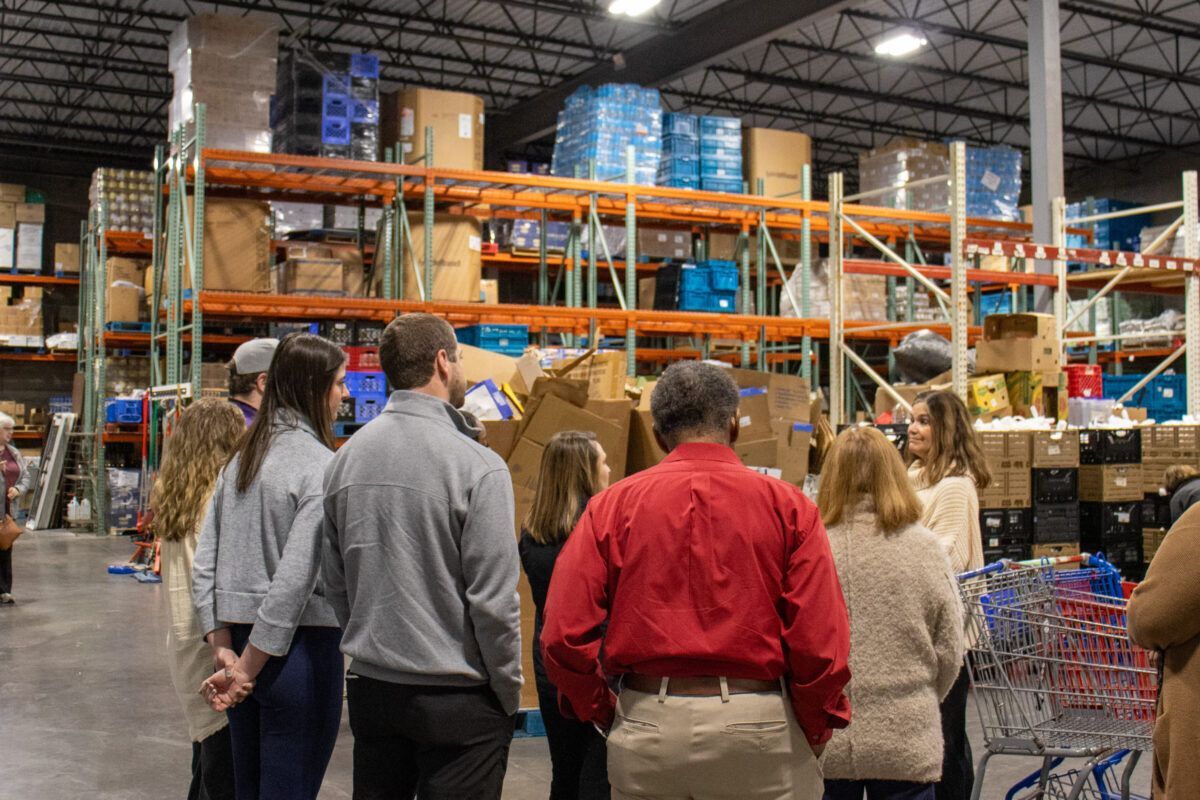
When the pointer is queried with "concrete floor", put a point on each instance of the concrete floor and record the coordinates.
(86, 704)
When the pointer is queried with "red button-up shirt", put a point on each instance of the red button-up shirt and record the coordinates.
(701, 567)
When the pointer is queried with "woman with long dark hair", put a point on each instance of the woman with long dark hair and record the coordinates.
(574, 467)
(197, 448)
(256, 582)
(946, 466)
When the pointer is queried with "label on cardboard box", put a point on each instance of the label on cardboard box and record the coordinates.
(464, 126)
(407, 124)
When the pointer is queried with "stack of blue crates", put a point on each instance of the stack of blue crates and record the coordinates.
(680, 164)
(1121, 233)
(327, 105)
(709, 286)
(1164, 397)
(994, 183)
(511, 340)
(600, 124)
(368, 396)
(721, 154)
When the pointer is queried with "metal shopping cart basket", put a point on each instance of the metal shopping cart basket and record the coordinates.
(1053, 670)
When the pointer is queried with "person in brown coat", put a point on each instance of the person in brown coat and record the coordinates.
(1164, 615)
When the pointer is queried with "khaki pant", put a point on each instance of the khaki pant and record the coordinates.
(748, 747)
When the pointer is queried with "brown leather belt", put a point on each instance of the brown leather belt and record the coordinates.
(697, 687)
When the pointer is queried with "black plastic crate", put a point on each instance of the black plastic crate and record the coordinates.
(1018, 552)
(1156, 511)
(1055, 522)
(1124, 553)
(1005, 527)
(346, 410)
(1110, 446)
(1055, 485)
(368, 333)
(338, 332)
(1100, 522)
(666, 287)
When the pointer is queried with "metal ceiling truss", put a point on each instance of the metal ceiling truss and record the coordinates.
(93, 73)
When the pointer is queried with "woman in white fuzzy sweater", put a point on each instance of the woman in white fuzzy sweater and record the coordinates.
(946, 465)
(906, 624)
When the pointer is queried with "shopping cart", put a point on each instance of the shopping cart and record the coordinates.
(1053, 670)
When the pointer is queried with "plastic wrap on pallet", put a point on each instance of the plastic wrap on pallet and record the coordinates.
(130, 196)
(228, 64)
(1170, 324)
(600, 124)
(863, 298)
(903, 161)
(923, 355)
(1119, 233)
(1173, 246)
(994, 183)
(327, 104)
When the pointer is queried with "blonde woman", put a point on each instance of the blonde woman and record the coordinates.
(203, 438)
(906, 624)
(18, 479)
(946, 466)
(574, 467)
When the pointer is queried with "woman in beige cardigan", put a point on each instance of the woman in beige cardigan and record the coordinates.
(196, 449)
(1164, 615)
(906, 624)
(946, 465)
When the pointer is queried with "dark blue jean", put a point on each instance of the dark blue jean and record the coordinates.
(284, 733)
(875, 790)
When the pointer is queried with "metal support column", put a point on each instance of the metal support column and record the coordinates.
(631, 289)
(958, 266)
(743, 247)
(760, 294)
(428, 226)
(197, 324)
(1045, 126)
(836, 335)
(806, 343)
(1191, 249)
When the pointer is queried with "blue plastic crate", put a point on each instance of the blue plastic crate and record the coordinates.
(680, 125)
(733, 186)
(688, 166)
(122, 411)
(508, 339)
(680, 182)
(719, 171)
(680, 146)
(728, 154)
(710, 301)
(364, 112)
(335, 131)
(715, 124)
(368, 407)
(335, 106)
(366, 383)
(995, 303)
(693, 279)
(723, 279)
(61, 404)
(364, 65)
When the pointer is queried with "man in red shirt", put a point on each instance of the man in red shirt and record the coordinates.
(718, 588)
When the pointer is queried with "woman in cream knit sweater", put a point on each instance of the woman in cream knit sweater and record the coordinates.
(906, 624)
(946, 466)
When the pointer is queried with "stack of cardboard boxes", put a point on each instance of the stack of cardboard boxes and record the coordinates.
(21, 227)
(1163, 446)
(21, 323)
(125, 294)
(1018, 364)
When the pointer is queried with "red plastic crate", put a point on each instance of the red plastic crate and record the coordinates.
(362, 359)
(1085, 380)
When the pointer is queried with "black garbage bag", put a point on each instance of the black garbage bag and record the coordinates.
(923, 355)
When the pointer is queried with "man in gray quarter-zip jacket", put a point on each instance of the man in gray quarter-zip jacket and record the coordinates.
(421, 570)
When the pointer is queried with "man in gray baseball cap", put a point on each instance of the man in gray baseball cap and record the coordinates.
(248, 375)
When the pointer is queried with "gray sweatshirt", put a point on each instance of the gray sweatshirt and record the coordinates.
(258, 561)
(421, 564)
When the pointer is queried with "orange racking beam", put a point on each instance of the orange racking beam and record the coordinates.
(18, 279)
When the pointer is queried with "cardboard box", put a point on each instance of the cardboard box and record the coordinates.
(317, 276)
(122, 304)
(643, 451)
(66, 258)
(723, 245)
(1059, 550)
(1019, 326)
(457, 122)
(1055, 449)
(8, 248)
(489, 291)
(8, 215)
(1152, 539)
(1020, 355)
(501, 435)
(125, 270)
(616, 412)
(1153, 472)
(481, 365)
(1027, 391)
(12, 193)
(554, 414)
(646, 287)
(29, 246)
(664, 243)
(604, 372)
(524, 462)
(1007, 450)
(794, 440)
(238, 254)
(754, 417)
(457, 261)
(31, 212)
(787, 395)
(758, 452)
(987, 394)
(1110, 483)
(776, 157)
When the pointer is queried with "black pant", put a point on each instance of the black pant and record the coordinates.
(578, 756)
(6, 571)
(958, 770)
(878, 790)
(441, 742)
(212, 768)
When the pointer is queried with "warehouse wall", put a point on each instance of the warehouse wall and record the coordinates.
(1154, 180)
(66, 205)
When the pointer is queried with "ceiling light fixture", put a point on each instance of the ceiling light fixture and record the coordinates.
(631, 8)
(899, 44)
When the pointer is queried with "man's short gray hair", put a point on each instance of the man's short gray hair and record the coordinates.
(693, 398)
